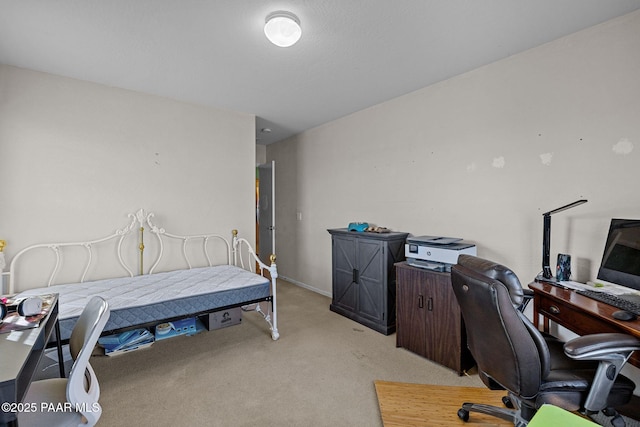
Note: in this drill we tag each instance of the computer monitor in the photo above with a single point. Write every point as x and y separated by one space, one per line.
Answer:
621 258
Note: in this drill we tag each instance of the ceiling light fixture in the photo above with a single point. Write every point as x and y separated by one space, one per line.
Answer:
282 28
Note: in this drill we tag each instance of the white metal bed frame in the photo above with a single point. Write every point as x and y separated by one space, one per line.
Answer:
138 220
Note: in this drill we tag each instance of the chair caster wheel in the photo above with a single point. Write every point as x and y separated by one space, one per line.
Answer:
506 401
463 414
618 421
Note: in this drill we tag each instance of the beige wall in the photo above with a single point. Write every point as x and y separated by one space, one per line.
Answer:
77 157
480 156
261 154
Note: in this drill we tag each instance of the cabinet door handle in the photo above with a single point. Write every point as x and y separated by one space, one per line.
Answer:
430 304
356 275
420 301
554 310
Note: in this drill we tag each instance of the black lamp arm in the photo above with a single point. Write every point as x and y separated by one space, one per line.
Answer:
546 236
546 246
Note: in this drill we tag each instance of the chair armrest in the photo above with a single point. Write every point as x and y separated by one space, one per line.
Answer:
599 346
526 298
612 350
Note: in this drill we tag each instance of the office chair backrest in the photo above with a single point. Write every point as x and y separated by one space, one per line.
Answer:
506 347
498 272
83 390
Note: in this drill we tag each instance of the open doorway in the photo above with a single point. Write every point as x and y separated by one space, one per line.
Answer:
266 210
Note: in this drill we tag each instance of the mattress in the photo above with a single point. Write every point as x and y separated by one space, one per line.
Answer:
155 297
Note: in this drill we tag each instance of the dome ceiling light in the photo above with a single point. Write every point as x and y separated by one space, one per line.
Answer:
282 28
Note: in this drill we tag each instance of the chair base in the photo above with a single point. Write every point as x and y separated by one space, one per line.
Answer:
513 415
616 419
519 414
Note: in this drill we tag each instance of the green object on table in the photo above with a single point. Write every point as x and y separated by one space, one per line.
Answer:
552 416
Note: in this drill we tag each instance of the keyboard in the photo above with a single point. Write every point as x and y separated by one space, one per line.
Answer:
613 300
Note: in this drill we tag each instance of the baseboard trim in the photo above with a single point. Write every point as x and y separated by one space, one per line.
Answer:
304 285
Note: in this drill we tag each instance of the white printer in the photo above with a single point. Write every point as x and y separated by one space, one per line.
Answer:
436 253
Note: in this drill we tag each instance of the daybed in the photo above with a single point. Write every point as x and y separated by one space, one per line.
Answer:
148 298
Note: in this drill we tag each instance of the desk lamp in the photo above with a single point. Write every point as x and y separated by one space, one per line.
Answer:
546 238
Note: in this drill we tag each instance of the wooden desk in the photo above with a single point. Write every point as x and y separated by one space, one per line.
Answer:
578 313
20 353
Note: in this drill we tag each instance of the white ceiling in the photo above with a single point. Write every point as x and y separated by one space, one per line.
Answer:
353 53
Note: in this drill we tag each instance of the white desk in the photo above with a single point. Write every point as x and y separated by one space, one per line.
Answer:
20 354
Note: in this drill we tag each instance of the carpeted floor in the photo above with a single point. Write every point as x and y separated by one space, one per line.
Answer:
321 372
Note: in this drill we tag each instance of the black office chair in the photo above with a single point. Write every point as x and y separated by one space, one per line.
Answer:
534 368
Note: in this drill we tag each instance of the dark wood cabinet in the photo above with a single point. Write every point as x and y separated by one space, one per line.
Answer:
429 322
363 277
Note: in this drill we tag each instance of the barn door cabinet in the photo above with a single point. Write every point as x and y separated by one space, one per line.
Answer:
364 278
429 319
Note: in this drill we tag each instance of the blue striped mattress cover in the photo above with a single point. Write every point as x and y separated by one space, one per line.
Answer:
155 297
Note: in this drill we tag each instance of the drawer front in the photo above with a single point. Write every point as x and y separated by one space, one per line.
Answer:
576 320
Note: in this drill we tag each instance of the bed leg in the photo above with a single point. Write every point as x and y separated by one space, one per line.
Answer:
267 317
274 324
272 317
273 270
